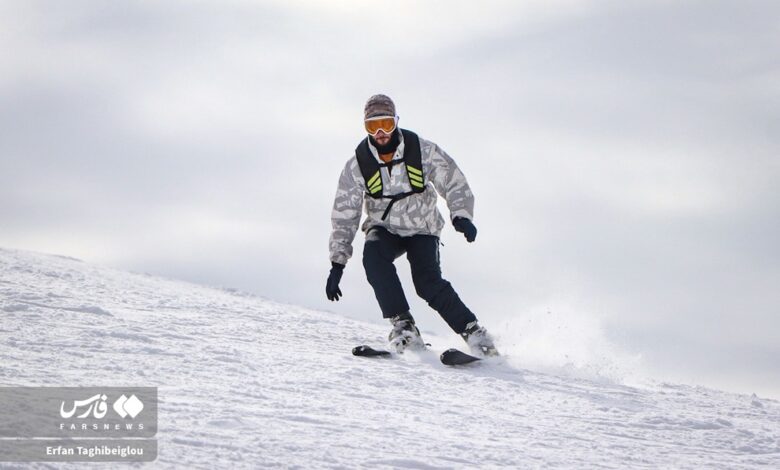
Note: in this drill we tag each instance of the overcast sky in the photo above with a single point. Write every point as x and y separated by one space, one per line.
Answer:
625 157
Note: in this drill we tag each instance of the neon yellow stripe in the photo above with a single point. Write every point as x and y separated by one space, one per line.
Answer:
415 183
414 170
415 178
373 179
375 188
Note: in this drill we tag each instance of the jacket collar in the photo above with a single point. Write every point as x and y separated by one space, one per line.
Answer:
399 152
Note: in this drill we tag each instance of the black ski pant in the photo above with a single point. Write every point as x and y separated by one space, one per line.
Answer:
382 248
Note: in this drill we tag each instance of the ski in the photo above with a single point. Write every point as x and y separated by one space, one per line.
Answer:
367 351
450 357
454 357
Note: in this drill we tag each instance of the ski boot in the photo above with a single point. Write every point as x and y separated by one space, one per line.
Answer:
479 340
404 334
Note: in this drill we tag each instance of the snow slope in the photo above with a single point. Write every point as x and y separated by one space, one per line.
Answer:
246 382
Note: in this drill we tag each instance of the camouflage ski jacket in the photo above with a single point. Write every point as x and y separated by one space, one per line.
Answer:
416 214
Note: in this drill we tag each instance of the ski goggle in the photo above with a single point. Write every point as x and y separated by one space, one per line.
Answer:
381 123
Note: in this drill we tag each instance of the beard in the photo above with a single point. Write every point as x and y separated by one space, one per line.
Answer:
390 146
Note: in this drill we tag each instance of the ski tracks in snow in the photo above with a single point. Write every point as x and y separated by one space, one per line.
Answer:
245 382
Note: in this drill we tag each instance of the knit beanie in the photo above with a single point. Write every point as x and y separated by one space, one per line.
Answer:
379 105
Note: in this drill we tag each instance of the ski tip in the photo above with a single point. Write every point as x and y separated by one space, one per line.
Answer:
456 357
368 351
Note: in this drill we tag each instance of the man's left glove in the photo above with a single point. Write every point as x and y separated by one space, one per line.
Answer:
464 226
332 287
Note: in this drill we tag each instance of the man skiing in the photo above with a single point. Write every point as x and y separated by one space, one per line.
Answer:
396 174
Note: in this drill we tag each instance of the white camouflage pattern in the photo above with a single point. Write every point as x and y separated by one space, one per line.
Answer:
416 214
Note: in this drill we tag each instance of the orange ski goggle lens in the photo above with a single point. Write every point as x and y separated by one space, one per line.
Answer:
386 124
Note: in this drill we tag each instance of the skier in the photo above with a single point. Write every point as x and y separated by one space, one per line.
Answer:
397 174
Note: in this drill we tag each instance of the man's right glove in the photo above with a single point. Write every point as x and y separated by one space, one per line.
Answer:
464 226
332 287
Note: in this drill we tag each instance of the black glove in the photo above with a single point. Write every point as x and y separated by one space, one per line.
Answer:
464 226
332 287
